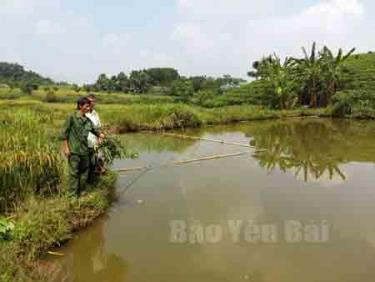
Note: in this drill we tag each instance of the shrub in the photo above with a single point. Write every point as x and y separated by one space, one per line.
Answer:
342 104
41 225
6 226
51 97
182 117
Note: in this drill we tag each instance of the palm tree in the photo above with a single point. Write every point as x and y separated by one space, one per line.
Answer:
254 73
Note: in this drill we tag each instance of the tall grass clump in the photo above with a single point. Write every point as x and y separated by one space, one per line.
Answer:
29 161
150 117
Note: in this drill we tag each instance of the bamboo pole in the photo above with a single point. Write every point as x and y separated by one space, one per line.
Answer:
193 160
214 157
182 162
132 168
55 254
206 139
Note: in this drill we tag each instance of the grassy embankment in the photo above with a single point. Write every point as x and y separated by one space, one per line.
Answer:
144 112
357 98
35 213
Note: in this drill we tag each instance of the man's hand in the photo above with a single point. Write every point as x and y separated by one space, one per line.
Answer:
101 137
67 152
66 149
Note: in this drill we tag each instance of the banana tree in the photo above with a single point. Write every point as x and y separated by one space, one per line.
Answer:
332 66
279 75
309 74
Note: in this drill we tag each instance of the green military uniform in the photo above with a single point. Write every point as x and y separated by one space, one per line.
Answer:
76 130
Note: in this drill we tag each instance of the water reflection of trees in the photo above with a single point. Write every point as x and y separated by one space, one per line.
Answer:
309 148
155 142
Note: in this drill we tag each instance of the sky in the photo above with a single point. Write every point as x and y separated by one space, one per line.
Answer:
76 40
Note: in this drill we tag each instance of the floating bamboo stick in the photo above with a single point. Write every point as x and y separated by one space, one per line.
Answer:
207 158
206 139
193 160
132 168
55 254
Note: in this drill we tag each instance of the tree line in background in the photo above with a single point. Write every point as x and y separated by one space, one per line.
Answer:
15 76
162 81
317 79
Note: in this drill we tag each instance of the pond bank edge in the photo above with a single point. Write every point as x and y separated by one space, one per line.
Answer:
43 224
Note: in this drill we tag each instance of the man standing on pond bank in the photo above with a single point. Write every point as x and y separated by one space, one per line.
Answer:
75 137
95 166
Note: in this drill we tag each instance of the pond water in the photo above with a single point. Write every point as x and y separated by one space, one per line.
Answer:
298 205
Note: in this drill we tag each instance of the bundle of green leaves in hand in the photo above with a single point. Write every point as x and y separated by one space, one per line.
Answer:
6 226
112 148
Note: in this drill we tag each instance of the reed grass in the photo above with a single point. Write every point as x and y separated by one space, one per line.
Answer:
29 161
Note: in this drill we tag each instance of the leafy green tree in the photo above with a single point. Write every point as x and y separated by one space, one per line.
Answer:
198 82
204 83
113 84
201 97
255 72
123 82
310 73
182 88
280 77
228 82
28 88
140 81
102 83
76 88
90 87
332 71
259 68
163 76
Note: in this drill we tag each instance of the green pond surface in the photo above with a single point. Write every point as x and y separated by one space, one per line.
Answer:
302 198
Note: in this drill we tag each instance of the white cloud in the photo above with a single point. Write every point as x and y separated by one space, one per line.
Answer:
159 59
115 39
329 22
151 58
12 56
332 15
110 39
209 36
116 43
143 53
208 9
192 33
243 30
27 7
334 7
185 4
226 36
48 27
